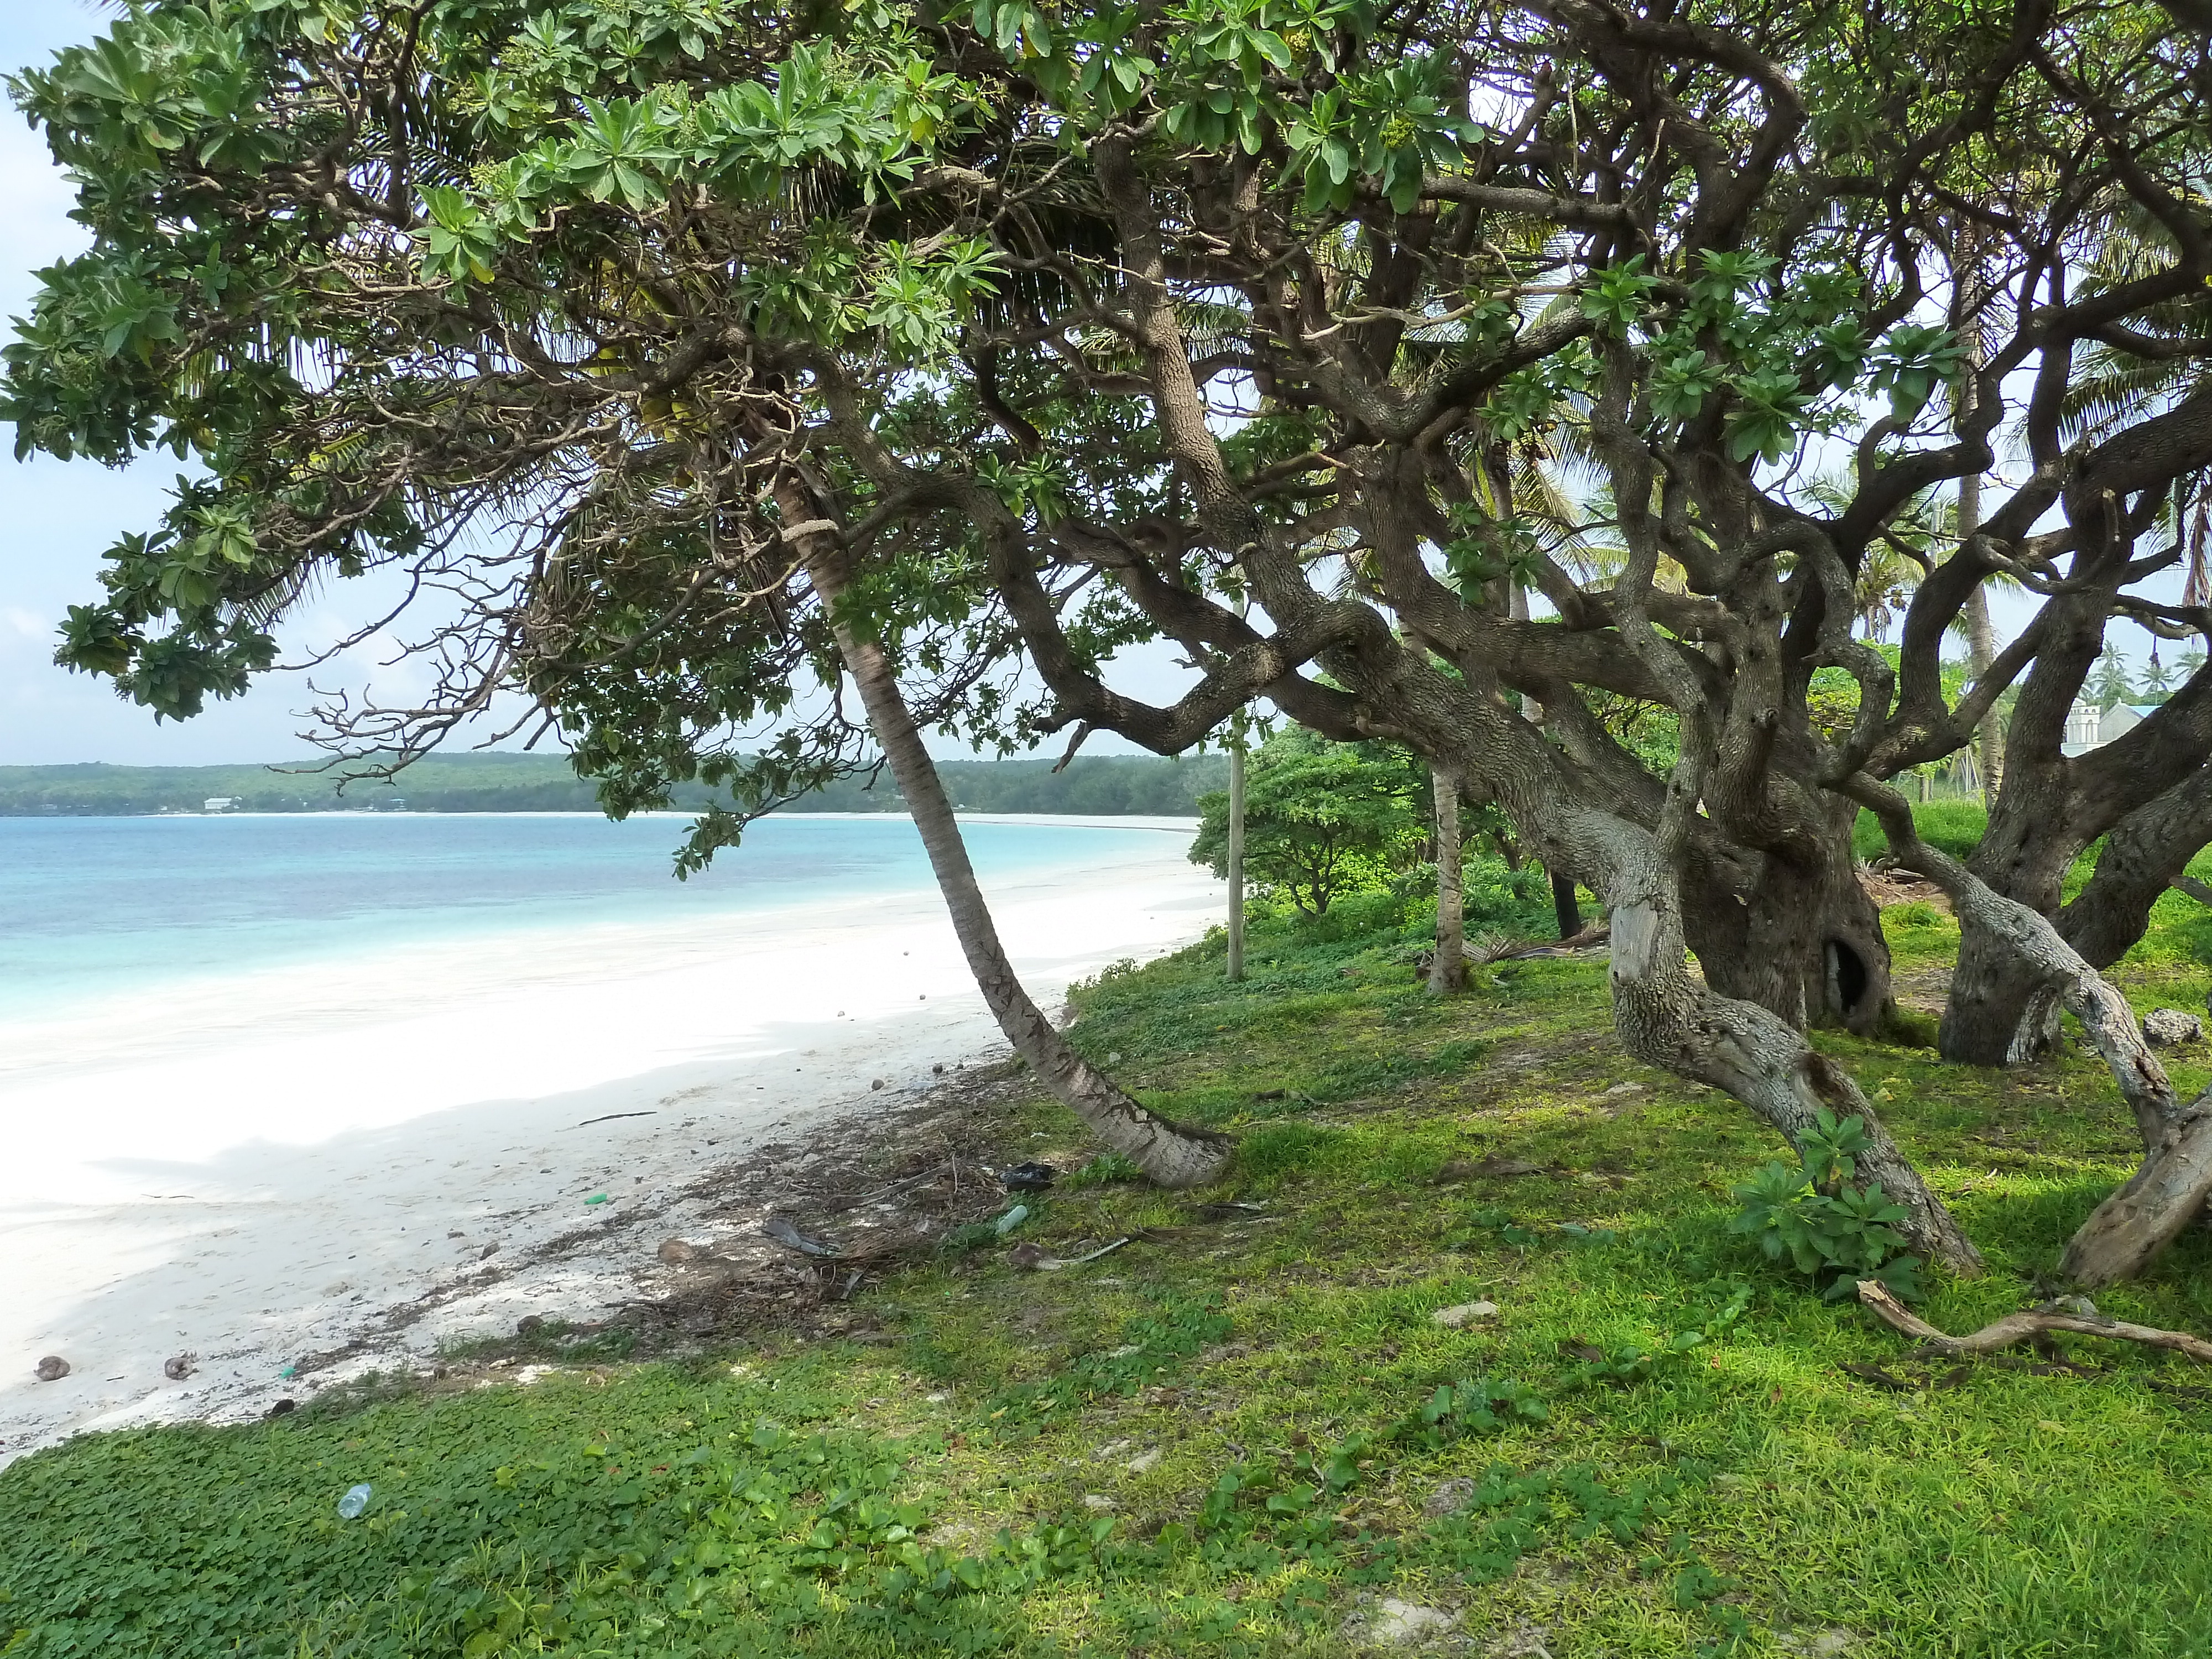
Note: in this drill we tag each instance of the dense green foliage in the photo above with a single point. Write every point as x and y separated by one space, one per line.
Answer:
1090 785
1658 1449
617 326
1807 1212
1321 819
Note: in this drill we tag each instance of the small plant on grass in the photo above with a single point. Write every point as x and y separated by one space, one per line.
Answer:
1483 1406
1103 1170
1810 1215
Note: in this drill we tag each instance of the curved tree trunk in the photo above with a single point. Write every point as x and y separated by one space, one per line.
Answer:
1448 972
1666 1016
1172 1154
2002 1010
1998 1011
2133 1226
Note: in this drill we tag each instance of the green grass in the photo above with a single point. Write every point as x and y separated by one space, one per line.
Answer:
989 1483
1950 826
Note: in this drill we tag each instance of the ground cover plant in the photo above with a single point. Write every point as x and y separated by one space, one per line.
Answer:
1247 1431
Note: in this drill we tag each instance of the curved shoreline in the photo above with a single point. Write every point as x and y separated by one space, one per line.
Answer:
297 1187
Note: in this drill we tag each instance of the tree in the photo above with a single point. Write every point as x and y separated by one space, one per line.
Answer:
2157 679
2111 686
1447 970
1172 1154
1321 819
1076 325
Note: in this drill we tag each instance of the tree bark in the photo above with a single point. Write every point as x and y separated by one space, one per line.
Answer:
1981 633
2000 1012
1169 1153
2133 1226
1448 971
1237 860
1805 942
1981 651
1566 915
1667 1018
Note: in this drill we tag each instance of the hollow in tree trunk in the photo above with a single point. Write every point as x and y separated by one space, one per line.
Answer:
1804 941
1448 971
1169 1153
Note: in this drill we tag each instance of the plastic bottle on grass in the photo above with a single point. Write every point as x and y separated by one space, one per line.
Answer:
355 1501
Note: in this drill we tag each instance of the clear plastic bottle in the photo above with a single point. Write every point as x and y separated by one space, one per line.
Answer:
355 1501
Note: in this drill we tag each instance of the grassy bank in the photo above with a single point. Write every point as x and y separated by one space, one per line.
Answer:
1245 1433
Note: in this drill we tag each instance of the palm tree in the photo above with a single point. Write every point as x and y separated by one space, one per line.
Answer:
2109 686
1448 971
2157 679
1968 287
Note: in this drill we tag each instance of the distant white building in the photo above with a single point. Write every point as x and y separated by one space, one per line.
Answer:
218 803
2091 728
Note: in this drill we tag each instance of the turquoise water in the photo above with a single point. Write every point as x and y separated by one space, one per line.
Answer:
92 908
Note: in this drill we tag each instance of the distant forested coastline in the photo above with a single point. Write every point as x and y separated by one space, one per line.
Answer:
1102 785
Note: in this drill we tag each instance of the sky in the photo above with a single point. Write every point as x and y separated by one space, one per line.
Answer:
57 519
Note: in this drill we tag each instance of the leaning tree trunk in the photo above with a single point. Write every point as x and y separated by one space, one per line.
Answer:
2003 1010
2134 1225
1169 1153
1667 1017
1448 972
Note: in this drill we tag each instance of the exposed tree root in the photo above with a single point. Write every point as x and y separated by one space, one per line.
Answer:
2023 1327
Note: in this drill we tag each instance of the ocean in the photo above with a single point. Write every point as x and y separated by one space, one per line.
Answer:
94 909
282 1086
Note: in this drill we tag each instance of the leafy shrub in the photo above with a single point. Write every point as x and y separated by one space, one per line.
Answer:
1321 819
1810 1215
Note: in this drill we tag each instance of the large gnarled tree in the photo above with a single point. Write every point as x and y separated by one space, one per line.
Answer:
1274 328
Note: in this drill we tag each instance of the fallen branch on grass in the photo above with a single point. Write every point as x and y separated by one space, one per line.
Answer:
2023 1327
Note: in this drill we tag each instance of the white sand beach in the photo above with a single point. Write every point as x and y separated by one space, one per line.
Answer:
253 1168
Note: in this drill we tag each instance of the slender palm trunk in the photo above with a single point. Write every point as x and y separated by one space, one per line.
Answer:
1169 1153
1237 860
1981 633
1566 912
1448 972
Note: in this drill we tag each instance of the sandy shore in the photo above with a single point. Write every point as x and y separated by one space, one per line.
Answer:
254 1169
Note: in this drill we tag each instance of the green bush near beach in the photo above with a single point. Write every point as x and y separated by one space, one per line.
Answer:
1247 1433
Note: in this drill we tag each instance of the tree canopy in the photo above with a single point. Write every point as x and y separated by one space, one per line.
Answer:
1306 334
1321 819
